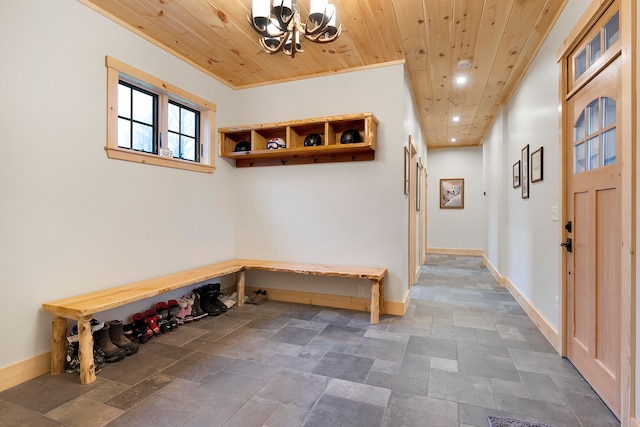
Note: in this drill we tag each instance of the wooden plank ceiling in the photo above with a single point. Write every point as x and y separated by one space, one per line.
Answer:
499 37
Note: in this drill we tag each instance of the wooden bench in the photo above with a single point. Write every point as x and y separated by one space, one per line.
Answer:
83 307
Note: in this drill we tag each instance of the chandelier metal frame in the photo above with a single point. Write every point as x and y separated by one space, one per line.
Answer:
281 30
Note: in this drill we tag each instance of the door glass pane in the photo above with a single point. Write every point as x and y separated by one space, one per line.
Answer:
578 129
581 63
593 125
593 148
595 50
608 112
609 147
611 32
578 158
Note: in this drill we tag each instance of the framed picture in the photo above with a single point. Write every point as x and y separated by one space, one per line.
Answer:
407 160
524 172
452 193
536 165
516 174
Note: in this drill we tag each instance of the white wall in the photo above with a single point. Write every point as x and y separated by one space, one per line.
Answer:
456 228
72 220
341 213
525 246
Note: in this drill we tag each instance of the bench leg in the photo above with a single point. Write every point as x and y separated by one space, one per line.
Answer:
58 345
85 352
375 302
240 287
381 283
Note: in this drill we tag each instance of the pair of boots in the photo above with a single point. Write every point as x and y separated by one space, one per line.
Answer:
73 356
208 299
113 342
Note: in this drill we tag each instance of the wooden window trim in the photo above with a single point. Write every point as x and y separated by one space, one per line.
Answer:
117 70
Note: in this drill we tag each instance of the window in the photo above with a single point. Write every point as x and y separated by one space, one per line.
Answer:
151 121
601 42
594 136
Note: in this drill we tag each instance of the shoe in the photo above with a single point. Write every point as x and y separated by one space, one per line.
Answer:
96 325
141 328
102 341
174 308
258 297
152 320
196 310
188 310
162 311
227 301
209 301
73 359
116 334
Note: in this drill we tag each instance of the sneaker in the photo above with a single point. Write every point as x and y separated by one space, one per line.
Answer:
96 325
227 301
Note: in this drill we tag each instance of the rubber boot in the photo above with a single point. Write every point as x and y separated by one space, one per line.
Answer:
102 340
117 336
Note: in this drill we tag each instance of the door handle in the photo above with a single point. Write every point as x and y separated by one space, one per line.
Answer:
568 244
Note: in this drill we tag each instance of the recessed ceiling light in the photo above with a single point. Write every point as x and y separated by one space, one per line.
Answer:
464 64
453 140
456 119
461 80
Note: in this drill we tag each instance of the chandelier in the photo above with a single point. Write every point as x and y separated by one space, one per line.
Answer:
281 26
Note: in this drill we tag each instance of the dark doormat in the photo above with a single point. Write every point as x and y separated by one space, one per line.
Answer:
512 422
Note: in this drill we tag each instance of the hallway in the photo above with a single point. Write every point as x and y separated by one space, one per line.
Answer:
464 350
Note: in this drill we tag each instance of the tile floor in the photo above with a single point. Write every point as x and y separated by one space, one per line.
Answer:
464 350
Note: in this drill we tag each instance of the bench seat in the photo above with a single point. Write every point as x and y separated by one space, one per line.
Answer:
83 307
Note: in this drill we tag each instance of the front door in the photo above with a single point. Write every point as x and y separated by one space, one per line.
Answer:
594 214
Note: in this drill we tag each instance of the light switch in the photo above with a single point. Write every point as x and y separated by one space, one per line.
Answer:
554 213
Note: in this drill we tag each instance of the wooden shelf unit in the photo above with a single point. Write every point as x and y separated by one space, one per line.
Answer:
294 133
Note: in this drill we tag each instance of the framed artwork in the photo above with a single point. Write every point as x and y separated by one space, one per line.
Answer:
516 174
536 165
418 173
452 193
407 160
524 172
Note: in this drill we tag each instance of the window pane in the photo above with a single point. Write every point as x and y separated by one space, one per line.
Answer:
593 125
174 118
611 32
608 112
581 63
595 51
188 148
578 129
578 162
142 107
142 137
124 101
609 147
124 133
188 123
594 148
174 144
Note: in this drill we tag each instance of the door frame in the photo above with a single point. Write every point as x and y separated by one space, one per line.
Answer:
628 125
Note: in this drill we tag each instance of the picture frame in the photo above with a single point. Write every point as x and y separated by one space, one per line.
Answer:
452 193
524 171
407 160
516 174
537 165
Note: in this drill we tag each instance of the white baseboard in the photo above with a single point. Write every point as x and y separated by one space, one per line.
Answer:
454 251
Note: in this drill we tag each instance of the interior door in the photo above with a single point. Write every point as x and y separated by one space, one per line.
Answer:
594 251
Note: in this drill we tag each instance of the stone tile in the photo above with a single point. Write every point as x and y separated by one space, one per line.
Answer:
105 390
428 346
141 391
387 366
345 334
377 348
540 387
165 350
509 387
302 312
487 366
292 335
179 337
295 388
467 347
453 332
291 362
411 410
591 411
251 369
197 367
363 393
307 324
414 365
444 364
544 363
344 366
470 389
253 413
535 409
333 411
236 335
268 323
398 383
74 413
217 395
477 321
14 415
135 368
